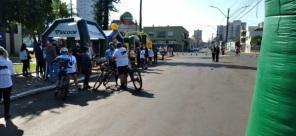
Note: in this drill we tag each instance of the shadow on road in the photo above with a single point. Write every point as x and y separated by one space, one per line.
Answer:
33 106
10 129
211 65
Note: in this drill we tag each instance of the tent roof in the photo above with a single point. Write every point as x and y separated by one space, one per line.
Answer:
72 27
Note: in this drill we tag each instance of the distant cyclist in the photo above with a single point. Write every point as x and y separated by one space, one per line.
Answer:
122 61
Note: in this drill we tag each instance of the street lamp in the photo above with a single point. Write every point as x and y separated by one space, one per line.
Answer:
227 23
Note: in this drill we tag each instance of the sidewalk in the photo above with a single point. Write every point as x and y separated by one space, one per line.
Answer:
26 86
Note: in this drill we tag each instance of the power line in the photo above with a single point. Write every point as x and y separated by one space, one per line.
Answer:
242 11
258 2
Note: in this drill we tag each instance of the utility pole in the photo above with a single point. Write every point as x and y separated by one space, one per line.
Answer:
227 25
140 16
71 8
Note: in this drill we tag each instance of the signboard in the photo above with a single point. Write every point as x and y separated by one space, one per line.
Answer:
2 39
94 32
65 30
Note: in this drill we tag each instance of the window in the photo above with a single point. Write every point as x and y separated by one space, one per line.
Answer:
161 34
151 34
170 33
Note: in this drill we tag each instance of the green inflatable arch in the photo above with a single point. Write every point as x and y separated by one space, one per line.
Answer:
273 111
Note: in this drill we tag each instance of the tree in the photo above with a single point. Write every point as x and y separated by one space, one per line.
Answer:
60 9
256 40
102 9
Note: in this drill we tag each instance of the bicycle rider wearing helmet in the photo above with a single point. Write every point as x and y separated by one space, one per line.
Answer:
63 61
109 54
122 61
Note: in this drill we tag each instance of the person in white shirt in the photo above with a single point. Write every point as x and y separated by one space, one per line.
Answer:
150 55
6 71
142 58
24 57
122 61
72 70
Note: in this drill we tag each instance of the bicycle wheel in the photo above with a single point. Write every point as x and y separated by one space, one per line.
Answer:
65 89
99 81
136 78
107 78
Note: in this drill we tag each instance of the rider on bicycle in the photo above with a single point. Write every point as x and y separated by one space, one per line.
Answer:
122 61
63 62
109 54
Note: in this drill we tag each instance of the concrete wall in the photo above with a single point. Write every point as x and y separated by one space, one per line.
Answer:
17 40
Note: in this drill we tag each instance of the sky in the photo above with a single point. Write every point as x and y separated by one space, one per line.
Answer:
192 14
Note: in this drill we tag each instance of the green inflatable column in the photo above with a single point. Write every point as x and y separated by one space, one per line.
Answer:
273 111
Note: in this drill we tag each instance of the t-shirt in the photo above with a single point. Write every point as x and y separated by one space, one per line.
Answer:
72 64
109 53
150 53
142 54
6 70
23 55
121 57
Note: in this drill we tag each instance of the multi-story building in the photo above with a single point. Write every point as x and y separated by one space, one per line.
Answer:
176 37
234 31
198 35
85 9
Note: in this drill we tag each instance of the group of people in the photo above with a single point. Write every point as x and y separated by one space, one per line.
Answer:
215 53
47 52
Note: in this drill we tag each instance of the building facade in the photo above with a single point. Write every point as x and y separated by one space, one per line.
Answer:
176 37
126 23
85 9
198 35
234 31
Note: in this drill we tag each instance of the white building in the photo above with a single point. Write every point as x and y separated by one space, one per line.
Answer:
85 9
234 31
198 35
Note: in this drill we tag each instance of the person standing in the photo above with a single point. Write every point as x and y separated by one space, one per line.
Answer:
217 52
142 58
72 68
25 58
50 55
213 53
85 67
6 71
40 62
150 55
121 57
155 50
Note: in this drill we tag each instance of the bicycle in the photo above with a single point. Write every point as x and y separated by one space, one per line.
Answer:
108 72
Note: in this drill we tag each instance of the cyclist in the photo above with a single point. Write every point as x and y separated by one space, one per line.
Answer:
109 55
63 62
122 61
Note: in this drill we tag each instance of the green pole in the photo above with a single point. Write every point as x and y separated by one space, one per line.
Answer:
273 110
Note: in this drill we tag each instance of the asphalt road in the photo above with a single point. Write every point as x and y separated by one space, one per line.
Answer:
183 96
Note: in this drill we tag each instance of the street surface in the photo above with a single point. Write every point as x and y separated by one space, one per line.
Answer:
183 96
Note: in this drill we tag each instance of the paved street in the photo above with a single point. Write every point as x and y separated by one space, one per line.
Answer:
184 96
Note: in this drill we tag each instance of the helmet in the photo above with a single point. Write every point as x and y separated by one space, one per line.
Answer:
118 45
63 50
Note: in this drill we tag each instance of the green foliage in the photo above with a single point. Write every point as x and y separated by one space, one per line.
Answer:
34 15
102 9
60 9
256 40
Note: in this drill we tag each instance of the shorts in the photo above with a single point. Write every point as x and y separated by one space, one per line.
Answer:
150 58
122 70
71 74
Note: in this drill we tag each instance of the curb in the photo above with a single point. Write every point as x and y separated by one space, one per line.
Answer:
41 89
